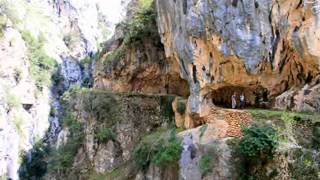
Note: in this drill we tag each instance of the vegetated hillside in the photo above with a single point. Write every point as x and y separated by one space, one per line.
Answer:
260 48
157 104
42 44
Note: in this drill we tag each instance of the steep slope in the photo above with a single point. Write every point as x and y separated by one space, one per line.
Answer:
261 48
151 103
42 44
134 59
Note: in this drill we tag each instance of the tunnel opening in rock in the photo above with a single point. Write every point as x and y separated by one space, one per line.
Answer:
255 97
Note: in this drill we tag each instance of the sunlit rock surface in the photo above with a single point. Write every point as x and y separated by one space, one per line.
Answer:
262 48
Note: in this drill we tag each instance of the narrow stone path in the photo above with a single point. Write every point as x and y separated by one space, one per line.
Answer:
228 121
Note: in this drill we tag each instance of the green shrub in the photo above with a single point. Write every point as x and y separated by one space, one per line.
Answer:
42 66
259 142
12 100
57 78
166 107
159 149
115 55
105 134
62 159
203 130
305 165
3 23
35 168
181 106
70 95
205 164
316 137
168 153
102 106
142 25
286 133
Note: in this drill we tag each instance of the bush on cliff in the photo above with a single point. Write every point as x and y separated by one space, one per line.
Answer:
105 134
42 66
316 136
142 25
259 142
62 159
160 148
206 164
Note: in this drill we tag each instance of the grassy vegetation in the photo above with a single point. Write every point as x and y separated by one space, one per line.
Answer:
62 158
118 173
264 114
12 100
205 164
102 106
104 135
161 148
3 23
203 130
42 66
116 55
306 166
142 25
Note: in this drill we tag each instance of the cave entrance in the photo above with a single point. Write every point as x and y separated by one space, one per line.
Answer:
255 97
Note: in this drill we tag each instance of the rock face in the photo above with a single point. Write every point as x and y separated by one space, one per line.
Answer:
128 116
140 65
212 49
262 48
22 108
65 31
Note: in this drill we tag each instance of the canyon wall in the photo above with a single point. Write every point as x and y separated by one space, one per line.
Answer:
42 44
266 49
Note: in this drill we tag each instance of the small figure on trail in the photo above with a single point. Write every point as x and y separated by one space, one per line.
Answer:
234 100
242 101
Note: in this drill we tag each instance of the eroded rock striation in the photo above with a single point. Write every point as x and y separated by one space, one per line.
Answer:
266 49
262 48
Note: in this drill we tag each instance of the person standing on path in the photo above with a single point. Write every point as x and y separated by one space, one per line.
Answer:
234 100
242 101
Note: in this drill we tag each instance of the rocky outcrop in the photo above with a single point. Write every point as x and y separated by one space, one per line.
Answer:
303 100
139 65
262 48
128 117
38 39
22 108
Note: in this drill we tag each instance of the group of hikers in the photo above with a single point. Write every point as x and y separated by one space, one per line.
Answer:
234 101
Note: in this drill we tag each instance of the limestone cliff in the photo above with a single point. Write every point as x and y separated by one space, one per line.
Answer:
266 49
262 48
42 44
102 129
156 94
134 59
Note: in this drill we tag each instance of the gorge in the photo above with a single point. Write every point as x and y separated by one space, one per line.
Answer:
141 89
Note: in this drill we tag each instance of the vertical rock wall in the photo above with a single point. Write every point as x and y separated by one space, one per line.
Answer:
260 47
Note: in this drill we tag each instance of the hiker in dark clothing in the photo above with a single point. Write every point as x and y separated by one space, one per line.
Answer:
242 101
